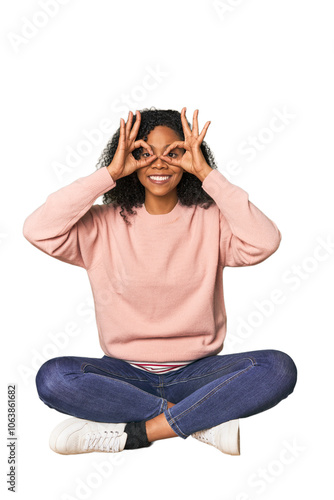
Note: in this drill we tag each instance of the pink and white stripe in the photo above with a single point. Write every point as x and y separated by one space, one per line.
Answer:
167 366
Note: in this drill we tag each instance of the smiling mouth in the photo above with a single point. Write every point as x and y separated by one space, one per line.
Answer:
159 179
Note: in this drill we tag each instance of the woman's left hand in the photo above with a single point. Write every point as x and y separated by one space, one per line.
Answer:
192 160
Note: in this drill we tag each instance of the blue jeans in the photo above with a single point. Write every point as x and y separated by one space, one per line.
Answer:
207 392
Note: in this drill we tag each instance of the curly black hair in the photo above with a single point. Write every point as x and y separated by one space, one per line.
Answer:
129 192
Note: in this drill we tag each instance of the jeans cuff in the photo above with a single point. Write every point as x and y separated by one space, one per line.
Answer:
173 424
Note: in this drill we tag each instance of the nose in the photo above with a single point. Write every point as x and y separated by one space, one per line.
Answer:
158 162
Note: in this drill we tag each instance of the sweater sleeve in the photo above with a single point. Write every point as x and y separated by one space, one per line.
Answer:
247 236
67 221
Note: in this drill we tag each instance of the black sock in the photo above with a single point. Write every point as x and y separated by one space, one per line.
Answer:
137 437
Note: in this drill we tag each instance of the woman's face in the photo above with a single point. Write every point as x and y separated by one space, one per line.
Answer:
159 138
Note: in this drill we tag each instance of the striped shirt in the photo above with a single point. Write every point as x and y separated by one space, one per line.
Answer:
166 366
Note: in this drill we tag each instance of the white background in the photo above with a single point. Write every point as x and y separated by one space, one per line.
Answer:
240 64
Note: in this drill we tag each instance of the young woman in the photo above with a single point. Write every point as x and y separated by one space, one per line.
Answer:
156 277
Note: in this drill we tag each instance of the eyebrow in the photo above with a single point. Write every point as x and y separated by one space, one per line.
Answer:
166 146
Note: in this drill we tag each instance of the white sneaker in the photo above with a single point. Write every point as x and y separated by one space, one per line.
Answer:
75 435
225 437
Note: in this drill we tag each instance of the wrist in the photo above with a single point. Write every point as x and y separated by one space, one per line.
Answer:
202 174
112 174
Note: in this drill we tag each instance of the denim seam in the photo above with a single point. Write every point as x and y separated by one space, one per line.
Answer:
212 392
83 366
172 423
162 389
210 373
161 409
125 382
163 406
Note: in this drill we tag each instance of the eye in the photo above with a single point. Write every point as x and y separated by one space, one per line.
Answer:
145 154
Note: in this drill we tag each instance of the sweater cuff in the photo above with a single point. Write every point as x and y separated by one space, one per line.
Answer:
100 181
215 181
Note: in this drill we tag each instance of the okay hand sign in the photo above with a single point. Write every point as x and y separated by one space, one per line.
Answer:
124 163
192 160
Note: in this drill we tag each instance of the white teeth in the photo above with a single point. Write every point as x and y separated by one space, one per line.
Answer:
156 178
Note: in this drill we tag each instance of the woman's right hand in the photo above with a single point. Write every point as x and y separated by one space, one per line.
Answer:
123 162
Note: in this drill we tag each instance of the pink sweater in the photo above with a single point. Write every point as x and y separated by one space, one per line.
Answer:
157 283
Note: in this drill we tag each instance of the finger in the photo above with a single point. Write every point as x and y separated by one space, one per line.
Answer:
129 123
135 128
142 143
175 144
144 162
121 140
204 131
146 146
172 161
195 123
185 125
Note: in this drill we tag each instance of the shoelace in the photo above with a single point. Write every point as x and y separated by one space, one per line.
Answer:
102 441
206 435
